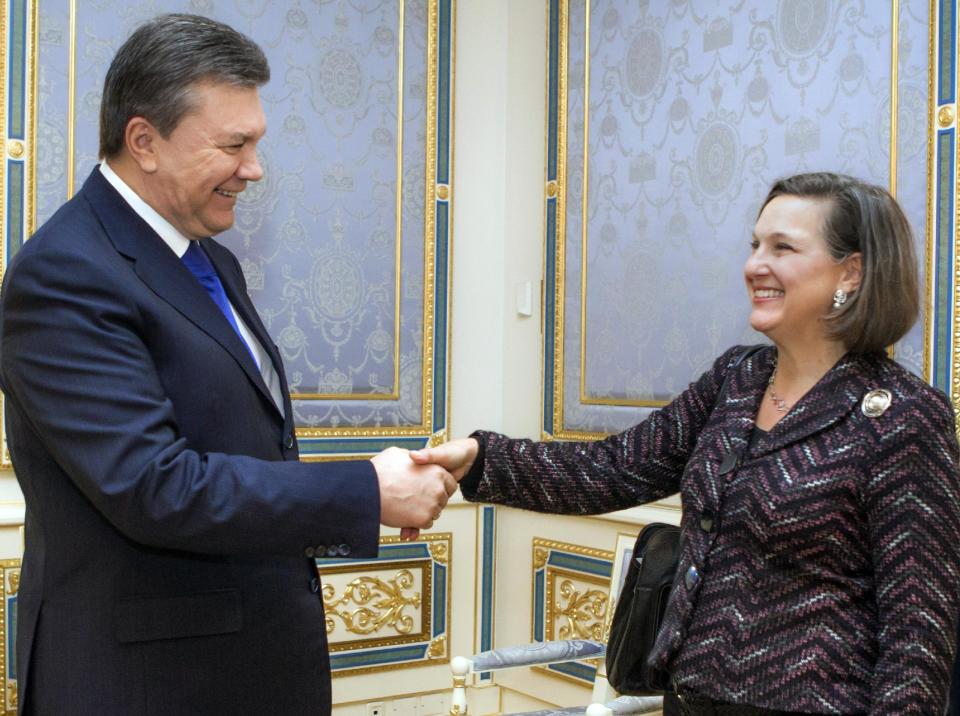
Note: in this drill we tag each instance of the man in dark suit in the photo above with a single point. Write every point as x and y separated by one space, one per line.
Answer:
170 527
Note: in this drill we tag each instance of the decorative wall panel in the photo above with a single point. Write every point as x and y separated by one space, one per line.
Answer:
345 241
392 611
667 123
570 588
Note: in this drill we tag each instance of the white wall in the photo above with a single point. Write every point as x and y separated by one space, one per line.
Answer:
499 125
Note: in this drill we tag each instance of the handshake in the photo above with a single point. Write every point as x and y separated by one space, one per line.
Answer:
415 485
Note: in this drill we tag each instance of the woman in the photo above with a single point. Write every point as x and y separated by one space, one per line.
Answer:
820 564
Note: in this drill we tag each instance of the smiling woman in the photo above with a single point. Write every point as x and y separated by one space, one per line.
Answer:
821 520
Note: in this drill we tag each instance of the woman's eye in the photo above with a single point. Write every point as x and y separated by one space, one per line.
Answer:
754 245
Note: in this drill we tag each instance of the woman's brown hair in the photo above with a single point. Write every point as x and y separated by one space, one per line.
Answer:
864 218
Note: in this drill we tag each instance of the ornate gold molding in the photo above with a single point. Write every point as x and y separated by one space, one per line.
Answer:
946 115
438 647
440 552
585 611
540 555
380 603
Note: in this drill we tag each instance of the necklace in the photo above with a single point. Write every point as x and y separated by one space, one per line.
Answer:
779 402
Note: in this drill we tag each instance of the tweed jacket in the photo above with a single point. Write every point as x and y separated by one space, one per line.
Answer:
820 564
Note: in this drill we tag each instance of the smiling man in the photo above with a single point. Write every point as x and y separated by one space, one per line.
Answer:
171 529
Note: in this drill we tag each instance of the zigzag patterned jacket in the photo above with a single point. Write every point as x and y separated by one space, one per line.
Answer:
821 573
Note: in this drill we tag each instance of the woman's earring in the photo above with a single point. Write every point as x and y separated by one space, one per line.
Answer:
839 298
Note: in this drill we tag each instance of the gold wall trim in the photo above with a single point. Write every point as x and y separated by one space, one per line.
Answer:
954 338
929 302
894 91
4 144
9 586
72 101
560 207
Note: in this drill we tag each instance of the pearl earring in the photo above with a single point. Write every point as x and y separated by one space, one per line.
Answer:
839 298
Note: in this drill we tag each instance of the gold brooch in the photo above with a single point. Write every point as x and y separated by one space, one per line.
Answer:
876 402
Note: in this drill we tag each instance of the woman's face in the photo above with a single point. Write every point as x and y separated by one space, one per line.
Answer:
790 275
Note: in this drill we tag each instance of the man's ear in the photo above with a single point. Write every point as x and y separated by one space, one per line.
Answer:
852 272
141 140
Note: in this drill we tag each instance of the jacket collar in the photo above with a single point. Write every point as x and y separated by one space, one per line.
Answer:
835 396
160 269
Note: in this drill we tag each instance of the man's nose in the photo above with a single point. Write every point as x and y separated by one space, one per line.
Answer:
250 168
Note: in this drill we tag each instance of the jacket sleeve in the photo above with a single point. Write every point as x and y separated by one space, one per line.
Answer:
912 501
641 464
83 386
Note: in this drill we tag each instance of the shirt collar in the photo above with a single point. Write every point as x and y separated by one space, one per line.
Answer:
177 242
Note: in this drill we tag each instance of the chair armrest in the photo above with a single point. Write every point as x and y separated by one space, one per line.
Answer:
627 706
538 652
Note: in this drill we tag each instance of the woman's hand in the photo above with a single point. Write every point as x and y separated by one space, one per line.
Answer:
456 456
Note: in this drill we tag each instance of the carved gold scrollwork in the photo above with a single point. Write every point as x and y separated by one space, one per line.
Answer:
439 552
381 604
13 583
584 612
12 693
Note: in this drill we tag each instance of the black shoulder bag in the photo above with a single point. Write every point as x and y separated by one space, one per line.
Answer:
643 600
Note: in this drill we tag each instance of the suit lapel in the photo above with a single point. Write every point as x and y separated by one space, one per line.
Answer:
160 269
223 262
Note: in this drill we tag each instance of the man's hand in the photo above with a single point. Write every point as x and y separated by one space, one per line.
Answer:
411 496
456 456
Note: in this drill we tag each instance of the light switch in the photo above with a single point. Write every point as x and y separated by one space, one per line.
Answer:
524 299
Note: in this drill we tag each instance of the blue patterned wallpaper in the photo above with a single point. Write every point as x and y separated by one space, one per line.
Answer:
693 111
333 257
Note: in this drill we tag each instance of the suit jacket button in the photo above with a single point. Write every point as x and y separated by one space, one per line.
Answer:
288 443
314 585
344 550
707 520
691 577
309 552
332 551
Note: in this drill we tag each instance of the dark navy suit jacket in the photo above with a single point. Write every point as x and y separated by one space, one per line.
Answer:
169 521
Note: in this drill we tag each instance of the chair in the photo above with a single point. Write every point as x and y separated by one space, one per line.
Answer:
603 697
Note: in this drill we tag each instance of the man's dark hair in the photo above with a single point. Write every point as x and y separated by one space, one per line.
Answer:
864 218
153 73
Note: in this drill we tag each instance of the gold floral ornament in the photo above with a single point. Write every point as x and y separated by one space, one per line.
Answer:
540 557
380 604
439 552
584 612
438 647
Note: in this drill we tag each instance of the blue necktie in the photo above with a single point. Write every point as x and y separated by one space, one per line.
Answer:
196 260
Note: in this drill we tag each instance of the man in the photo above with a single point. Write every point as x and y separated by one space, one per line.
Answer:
170 528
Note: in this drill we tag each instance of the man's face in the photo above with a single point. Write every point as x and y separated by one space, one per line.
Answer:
208 159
